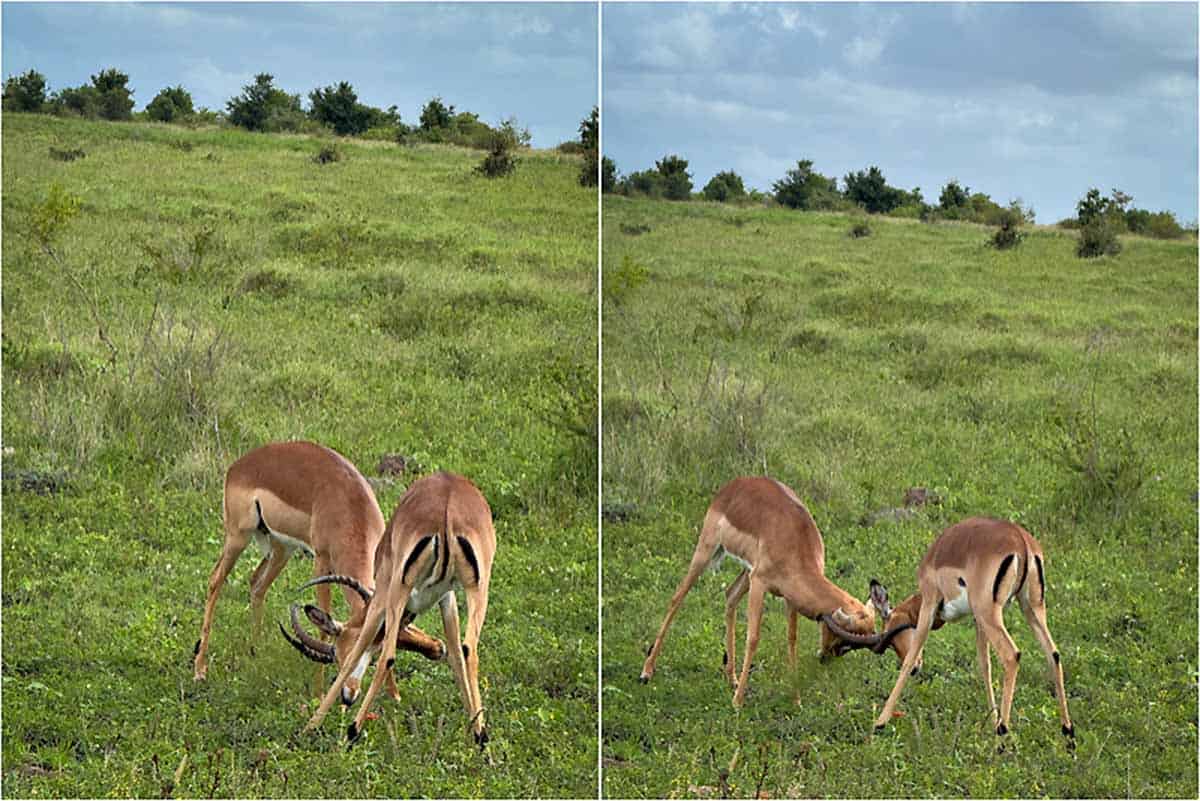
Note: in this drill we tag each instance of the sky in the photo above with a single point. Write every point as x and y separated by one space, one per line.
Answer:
1031 101
535 61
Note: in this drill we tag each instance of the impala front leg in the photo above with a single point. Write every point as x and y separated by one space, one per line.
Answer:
929 605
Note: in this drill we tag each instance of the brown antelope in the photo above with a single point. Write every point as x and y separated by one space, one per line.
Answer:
439 538
291 496
974 569
762 524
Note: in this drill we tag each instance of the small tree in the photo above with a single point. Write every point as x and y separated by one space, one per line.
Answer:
25 92
802 186
338 107
1008 234
114 99
262 106
499 161
1097 238
589 130
170 105
677 182
869 189
954 197
725 186
1091 207
436 115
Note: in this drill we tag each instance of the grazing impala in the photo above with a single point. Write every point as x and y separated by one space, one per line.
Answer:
291 496
764 526
440 538
974 568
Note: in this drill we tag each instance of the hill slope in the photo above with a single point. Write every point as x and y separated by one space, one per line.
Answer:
391 302
1025 384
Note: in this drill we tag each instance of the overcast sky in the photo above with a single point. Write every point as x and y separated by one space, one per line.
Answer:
532 60
1037 101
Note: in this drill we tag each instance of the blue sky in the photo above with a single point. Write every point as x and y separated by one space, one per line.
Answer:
532 60
1037 101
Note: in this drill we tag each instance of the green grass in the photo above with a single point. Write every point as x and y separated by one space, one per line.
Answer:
391 302
1025 384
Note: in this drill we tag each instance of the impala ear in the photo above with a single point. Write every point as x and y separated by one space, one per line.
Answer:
322 621
879 599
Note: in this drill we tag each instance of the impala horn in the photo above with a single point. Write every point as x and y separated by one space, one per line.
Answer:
308 645
346 581
878 643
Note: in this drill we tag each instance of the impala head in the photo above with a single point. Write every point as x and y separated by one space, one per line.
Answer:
903 621
845 630
343 635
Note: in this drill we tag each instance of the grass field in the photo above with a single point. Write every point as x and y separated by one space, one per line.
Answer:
1025 384
389 302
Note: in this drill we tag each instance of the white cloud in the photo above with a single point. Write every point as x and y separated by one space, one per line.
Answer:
863 51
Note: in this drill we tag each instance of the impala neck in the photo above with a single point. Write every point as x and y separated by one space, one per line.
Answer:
814 596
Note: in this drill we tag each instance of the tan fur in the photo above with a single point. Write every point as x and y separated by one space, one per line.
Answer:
762 523
974 551
315 497
446 507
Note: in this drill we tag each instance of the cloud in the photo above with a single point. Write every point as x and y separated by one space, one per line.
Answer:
863 51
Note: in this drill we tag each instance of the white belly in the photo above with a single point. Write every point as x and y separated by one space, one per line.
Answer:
290 544
424 597
954 608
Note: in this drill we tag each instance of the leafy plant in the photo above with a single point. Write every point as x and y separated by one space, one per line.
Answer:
171 104
499 161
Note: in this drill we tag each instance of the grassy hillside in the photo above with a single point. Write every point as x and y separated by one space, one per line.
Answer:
391 302
1025 384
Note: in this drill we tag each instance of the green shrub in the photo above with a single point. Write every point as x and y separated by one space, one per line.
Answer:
725 186
263 107
1163 225
676 181
869 189
1008 235
859 228
338 108
436 115
25 92
804 188
499 161
67 155
1097 238
620 283
170 105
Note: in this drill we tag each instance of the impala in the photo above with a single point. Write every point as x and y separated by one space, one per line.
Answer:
975 568
440 538
762 524
291 496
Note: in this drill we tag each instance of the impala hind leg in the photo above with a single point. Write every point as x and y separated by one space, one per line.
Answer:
275 563
985 670
991 621
454 648
706 549
1035 615
396 601
366 637
733 596
929 606
235 542
477 602
754 610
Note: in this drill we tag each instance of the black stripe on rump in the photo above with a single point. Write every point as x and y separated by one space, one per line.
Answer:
262 521
1000 576
469 553
412 557
446 560
1041 576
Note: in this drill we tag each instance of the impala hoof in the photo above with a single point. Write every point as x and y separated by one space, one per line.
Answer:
879 727
1069 731
347 697
644 678
1001 730
481 738
352 735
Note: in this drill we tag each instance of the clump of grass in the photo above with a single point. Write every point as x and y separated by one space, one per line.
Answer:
499 161
859 228
622 282
328 154
267 282
635 229
67 155
173 256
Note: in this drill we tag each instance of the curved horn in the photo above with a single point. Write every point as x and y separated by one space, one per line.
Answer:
343 580
885 639
859 640
308 645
